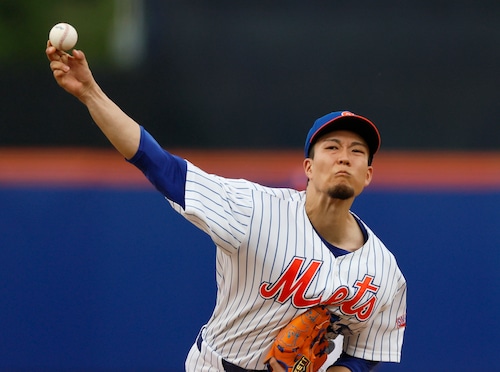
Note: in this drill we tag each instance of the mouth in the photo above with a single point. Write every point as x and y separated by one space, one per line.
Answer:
342 173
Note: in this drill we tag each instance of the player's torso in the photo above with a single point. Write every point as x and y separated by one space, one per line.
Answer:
284 267
272 265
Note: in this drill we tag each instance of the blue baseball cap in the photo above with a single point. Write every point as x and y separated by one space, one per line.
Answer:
344 120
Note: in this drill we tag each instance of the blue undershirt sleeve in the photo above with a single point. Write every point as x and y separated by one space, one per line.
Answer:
167 172
356 364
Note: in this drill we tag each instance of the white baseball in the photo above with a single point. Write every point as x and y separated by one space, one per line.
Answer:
63 36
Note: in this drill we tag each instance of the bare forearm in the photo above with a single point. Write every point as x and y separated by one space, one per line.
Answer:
121 130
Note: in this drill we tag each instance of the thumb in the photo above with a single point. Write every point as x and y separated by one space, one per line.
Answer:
79 55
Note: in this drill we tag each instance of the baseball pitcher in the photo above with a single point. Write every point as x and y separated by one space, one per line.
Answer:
296 269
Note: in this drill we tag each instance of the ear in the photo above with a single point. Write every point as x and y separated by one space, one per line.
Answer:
307 164
369 175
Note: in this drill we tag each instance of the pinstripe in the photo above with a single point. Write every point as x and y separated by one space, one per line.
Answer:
259 232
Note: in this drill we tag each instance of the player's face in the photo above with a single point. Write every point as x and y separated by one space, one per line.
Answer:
339 166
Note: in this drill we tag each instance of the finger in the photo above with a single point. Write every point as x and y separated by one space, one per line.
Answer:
276 366
53 53
79 55
59 66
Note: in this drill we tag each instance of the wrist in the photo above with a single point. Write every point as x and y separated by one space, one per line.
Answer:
91 94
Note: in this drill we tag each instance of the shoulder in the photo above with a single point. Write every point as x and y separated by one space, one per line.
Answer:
373 240
241 186
378 256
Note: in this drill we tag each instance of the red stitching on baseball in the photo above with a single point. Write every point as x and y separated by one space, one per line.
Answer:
63 37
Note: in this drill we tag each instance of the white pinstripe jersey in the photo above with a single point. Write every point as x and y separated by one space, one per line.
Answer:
272 265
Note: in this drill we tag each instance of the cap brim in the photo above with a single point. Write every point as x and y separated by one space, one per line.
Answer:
354 123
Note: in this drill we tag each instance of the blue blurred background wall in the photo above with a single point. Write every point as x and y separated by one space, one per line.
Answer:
114 280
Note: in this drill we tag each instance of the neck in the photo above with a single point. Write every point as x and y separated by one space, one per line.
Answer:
333 221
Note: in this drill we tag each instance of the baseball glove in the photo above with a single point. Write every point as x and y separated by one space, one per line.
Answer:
302 345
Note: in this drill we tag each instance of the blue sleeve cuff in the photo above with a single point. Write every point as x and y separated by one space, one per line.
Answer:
165 171
355 364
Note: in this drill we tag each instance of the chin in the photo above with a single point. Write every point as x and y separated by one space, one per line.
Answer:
342 192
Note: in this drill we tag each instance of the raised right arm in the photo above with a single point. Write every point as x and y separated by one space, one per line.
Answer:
73 74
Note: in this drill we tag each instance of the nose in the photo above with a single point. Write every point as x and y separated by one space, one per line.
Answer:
344 157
